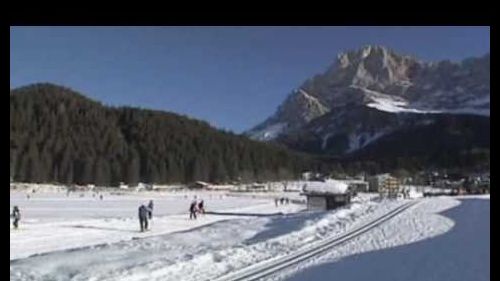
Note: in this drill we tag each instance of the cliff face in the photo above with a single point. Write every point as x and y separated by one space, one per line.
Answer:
370 93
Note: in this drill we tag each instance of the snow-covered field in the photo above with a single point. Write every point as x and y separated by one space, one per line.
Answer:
232 243
84 238
51 221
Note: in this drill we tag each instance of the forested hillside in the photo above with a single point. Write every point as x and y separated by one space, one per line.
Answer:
58 135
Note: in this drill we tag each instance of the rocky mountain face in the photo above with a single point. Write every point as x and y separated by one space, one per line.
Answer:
372 93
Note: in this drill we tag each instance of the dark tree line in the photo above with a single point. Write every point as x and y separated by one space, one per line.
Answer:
58 135
451 142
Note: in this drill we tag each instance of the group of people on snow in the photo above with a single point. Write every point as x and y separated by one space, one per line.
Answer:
145 213
196 207
282 200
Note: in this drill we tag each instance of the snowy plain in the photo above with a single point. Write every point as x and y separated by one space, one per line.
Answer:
88 243
51 221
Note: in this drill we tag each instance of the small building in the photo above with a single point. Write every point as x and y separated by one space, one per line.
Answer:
256 187
357 185
139 187
157 187
390 187
458 190
376 182
199 185
326 201
326 195
311 176
307 175
222 187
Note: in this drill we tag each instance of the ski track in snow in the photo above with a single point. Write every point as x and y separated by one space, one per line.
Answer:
419 223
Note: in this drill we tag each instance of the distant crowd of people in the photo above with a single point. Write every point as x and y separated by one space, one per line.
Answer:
281 201
146 212
94 194
196 207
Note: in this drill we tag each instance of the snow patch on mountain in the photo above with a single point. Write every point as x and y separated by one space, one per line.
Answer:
357 141
395 104
270 132
376 78
312 105
390 105
324 140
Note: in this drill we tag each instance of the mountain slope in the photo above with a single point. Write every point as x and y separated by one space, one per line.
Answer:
443 141
58 135
379 78
367 105
385 137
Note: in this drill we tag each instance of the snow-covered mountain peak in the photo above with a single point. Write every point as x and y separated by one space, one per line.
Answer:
371 66
378 78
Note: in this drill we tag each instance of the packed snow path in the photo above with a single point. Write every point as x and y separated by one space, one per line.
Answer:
461 254
270 267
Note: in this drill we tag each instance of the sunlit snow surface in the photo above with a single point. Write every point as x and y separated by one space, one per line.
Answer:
204 249
458 248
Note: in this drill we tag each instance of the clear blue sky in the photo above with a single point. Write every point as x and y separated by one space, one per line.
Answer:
232 77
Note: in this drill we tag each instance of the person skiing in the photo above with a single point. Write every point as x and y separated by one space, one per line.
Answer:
201 208
143 217
150 206
192 210
16 214
276 200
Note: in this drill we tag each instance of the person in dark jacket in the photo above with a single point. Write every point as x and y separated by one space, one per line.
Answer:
150 206
16 214
192 210
201 207
143 217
